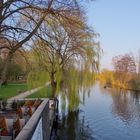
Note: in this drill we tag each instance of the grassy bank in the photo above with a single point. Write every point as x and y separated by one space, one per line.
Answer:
43 93
122 87
10 90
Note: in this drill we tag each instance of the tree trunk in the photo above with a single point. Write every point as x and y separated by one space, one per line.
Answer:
4 73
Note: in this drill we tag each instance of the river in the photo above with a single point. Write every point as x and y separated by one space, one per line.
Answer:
105 114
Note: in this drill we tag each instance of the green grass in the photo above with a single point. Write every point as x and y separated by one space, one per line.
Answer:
10 90
43 93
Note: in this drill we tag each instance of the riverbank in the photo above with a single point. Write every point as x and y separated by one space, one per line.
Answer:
121 87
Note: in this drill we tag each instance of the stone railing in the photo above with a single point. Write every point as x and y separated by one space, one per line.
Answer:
40 124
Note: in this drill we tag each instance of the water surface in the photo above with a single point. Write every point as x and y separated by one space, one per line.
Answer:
105 114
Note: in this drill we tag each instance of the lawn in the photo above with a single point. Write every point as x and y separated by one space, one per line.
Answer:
11 90
43 93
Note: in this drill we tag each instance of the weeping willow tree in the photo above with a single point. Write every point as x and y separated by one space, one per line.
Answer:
20 21
67 52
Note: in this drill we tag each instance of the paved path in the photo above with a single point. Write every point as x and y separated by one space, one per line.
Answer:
27 93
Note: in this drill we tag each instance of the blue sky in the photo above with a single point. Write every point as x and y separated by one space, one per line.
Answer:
118 22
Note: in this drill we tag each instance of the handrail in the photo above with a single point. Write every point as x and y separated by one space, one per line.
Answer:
29 129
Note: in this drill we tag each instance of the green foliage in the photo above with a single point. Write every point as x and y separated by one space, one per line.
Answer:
37 79
45 92
75 81
58 79
73 95
61 49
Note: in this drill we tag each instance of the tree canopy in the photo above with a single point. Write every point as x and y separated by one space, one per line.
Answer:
124 63
54 39
21 20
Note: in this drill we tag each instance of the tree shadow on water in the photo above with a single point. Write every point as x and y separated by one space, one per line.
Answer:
73 126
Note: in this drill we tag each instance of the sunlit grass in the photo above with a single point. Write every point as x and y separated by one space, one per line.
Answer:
10 90
43 93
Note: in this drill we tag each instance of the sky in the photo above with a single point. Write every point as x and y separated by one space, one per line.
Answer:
118 23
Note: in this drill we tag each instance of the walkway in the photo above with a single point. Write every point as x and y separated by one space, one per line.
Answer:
27 93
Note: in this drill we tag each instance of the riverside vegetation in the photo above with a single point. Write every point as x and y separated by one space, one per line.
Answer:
124 74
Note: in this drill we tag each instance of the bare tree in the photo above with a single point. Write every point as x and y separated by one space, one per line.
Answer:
20 20
124 66
124 63
62 44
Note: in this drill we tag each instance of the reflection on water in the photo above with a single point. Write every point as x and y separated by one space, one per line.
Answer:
106 114
74 127
125 105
